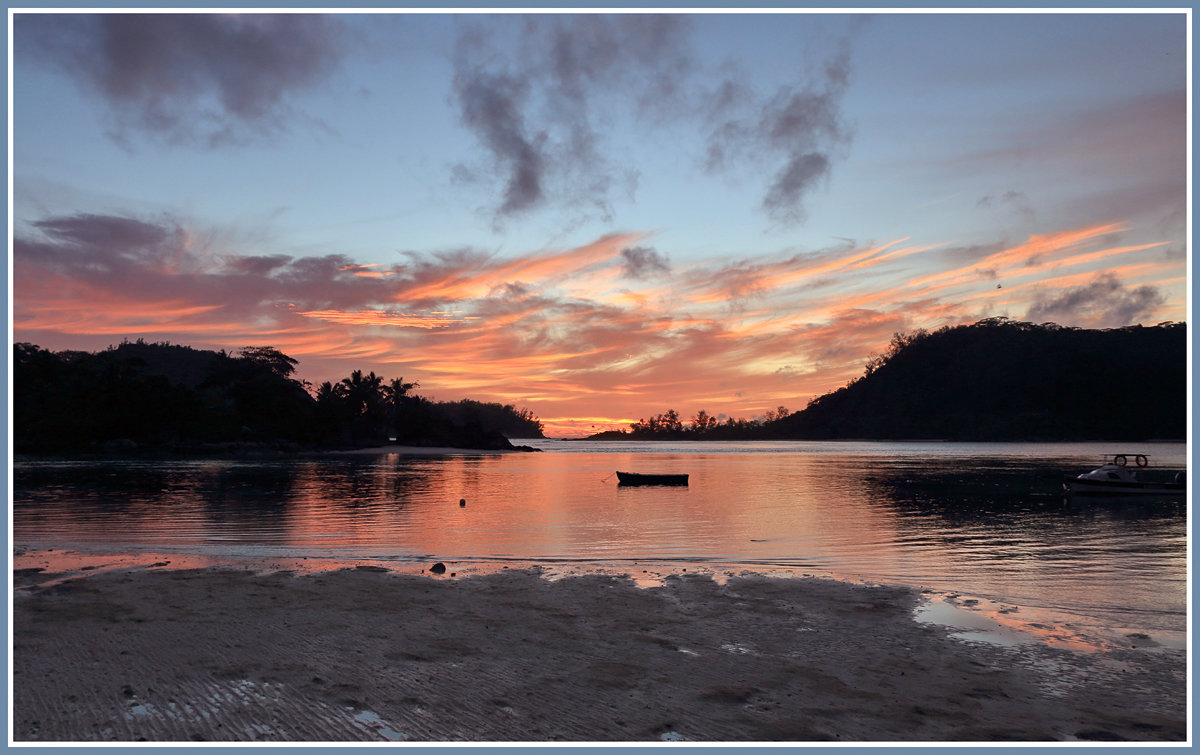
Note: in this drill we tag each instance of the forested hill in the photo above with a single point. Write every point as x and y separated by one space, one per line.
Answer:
1005 380
160 396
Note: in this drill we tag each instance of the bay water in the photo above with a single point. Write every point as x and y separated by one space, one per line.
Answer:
984 525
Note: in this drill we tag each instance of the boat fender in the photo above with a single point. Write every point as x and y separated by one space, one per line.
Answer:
1181 478
1141 460
1120 461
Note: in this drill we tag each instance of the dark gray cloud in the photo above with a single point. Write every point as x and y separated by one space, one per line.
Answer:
643 262
645 56
125 236
535 112
259 265
188 77
162 258
493 107
797 132
1104 303
543 116
799 175
102 246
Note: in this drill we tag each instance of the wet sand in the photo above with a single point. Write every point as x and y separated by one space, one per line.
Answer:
369 654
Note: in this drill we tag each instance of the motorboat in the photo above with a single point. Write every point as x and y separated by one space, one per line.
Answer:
635 478
1117 477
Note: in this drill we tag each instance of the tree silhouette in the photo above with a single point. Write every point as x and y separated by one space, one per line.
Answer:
171 397
271 358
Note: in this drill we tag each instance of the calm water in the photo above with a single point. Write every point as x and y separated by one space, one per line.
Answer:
985 520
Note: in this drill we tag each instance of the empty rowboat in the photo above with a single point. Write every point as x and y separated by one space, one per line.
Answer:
635 478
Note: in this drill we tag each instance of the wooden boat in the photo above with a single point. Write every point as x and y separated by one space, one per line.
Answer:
634 478
1116 478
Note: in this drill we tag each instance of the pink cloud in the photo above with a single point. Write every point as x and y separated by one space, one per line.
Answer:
563 331
386 319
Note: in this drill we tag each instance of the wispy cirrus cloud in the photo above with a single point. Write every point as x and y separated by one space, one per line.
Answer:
1014 201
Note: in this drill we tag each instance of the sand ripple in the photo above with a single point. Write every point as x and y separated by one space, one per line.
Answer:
360 655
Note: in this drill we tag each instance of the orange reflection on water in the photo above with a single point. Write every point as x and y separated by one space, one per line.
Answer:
887 513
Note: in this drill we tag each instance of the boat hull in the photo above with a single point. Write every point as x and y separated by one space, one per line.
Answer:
1077 486
634 478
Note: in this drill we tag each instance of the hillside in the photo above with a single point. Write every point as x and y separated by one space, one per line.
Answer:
1005 380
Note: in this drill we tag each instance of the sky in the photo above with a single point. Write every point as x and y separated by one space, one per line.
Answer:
594 217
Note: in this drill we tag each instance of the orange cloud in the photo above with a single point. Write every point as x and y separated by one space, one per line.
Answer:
565 332
391 319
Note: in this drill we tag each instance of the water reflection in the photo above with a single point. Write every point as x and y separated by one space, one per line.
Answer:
990 522
756 507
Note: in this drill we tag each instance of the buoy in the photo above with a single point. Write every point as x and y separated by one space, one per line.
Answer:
462 501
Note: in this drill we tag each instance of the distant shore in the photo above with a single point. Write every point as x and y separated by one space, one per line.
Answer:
619 436
263 450
428 451
161 653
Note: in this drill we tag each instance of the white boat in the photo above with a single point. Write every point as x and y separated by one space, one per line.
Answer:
1118 477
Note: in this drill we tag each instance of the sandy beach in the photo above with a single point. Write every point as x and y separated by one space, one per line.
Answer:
160 653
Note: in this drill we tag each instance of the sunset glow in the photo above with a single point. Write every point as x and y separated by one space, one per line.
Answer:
600 252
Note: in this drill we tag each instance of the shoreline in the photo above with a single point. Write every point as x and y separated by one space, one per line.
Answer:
404 450
171 652
264 451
